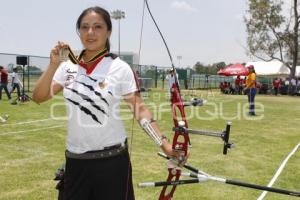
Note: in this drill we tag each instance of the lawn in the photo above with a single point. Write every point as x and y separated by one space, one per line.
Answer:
32 147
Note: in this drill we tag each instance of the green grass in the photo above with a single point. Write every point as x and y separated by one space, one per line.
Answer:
30 153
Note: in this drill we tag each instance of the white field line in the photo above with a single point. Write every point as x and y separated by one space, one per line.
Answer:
264 193
28 122
32 130
22 161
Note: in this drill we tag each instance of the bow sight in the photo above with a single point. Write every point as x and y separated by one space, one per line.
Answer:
224 135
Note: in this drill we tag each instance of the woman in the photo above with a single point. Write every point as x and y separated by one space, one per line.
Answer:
97 160
251 89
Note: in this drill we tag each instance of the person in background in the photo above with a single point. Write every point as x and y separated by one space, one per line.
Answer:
15 83
231 89
287 85
293 86
251 89
226 87
298 86
4 82
93 85
237 84
221 86
171 78
243 85
276 85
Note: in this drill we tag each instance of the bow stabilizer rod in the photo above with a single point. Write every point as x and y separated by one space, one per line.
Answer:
200 176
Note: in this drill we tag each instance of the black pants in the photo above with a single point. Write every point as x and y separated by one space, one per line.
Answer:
16 85
276 90
4 86
251 98
99 179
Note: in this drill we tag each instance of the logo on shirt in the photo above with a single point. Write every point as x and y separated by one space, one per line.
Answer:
102 85
71 72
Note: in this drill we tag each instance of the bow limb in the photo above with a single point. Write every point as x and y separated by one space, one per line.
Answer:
180 139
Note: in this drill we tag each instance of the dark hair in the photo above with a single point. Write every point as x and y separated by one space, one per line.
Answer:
1 67
100 11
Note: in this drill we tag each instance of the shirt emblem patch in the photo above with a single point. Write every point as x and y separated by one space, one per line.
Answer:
102 85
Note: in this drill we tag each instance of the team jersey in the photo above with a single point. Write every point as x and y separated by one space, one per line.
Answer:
250 78
93 102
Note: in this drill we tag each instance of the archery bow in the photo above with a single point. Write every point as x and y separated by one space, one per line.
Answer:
181 138
176 102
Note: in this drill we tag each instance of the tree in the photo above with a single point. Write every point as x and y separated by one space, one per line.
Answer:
199 67
219 65
271 34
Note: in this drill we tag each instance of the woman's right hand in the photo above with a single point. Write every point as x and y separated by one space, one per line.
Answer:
54 54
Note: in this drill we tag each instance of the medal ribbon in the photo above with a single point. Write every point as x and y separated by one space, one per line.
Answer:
90 65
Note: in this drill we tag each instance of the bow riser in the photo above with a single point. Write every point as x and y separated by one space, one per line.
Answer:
174 174
180 141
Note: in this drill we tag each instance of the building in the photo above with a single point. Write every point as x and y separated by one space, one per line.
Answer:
129 57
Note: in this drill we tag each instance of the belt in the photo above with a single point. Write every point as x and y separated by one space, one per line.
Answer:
105 153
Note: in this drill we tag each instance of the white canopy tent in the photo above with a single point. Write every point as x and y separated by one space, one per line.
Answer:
272 68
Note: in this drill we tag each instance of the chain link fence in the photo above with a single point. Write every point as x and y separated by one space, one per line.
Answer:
149 76
29 73
155 77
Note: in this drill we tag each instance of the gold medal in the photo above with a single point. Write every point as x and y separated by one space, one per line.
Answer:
64 54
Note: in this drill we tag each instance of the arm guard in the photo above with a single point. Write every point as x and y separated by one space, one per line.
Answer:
146 125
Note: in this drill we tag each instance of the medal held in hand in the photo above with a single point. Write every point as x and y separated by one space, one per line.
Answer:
64 54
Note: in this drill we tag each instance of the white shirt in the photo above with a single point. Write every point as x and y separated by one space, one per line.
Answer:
15 78
171 79
287 82
93 103
293 82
